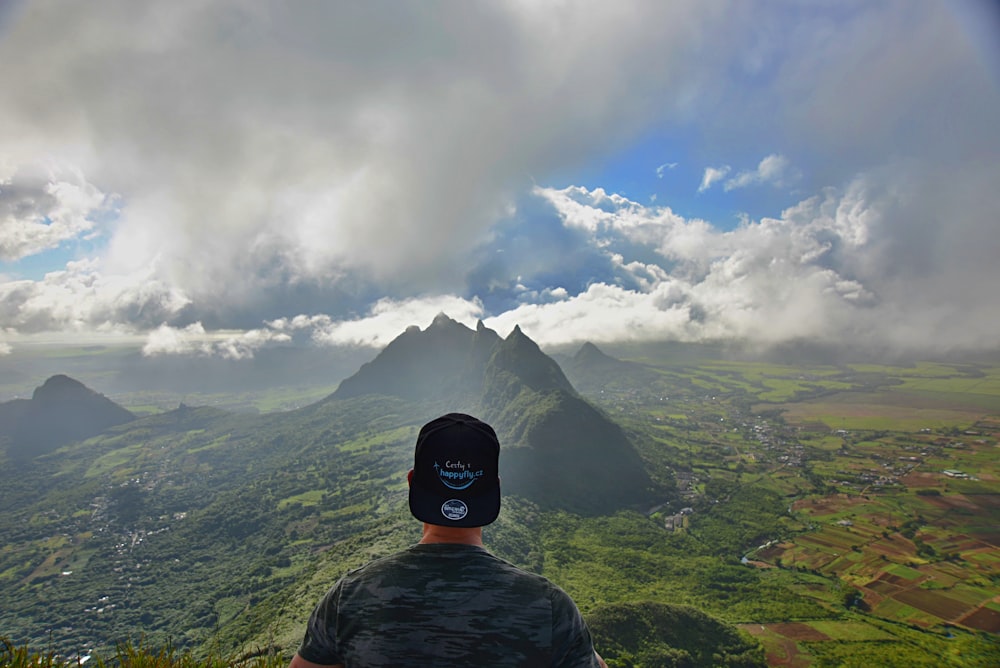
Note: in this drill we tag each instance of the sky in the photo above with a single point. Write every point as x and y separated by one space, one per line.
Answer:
217 177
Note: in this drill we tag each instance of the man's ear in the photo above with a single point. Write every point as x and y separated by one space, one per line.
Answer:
409 477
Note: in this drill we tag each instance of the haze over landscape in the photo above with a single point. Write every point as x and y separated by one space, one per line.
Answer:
217 179
702 510
721 274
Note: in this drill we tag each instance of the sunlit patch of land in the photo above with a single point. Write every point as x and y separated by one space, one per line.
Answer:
835 513
891 479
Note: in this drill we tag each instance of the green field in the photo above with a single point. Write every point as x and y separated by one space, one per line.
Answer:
817 514
860 452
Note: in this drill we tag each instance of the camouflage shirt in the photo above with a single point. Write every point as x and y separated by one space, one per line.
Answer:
446 605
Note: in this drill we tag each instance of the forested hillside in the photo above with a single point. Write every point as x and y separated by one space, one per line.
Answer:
748 537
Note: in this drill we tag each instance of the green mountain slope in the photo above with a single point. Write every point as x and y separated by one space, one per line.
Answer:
184 524
219 531
656 634
443 361
557 449
592 371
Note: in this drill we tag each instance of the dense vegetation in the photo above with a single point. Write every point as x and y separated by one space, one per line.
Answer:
213 533
655 634
137 656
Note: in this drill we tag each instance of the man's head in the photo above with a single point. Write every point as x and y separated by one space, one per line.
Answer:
455 479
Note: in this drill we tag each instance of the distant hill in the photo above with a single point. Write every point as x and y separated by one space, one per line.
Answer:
60 411
657 634
558 449
591 370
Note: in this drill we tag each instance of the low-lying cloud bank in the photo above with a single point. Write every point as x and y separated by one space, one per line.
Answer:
896 260
833 269
224 177
892 260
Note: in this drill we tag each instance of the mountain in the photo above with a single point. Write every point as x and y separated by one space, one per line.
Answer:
443 361
557 449
659 634
591 371
218 531
11 413
200 526
60 411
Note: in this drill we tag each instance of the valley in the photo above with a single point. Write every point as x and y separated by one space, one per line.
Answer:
822 511
891 476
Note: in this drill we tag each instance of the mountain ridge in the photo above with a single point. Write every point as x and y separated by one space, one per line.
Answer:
556 448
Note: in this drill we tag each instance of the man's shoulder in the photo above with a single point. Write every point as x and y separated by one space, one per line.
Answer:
520 574
463 562
464 600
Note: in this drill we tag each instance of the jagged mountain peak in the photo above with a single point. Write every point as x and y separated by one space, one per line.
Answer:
440 319
449 358
417 363
484 332
443 322
484 342
523 392
519 355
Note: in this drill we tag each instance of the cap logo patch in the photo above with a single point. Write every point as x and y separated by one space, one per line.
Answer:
455 479
454 509
457 475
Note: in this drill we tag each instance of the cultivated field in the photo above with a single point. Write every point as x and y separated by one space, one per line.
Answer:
892 476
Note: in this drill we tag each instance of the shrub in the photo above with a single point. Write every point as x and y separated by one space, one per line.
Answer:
138 656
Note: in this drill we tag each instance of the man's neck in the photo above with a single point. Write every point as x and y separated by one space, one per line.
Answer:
434 533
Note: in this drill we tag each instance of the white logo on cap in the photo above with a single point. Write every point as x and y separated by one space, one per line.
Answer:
454 509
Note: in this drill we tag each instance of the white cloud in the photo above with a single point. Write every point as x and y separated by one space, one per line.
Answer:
773 169
602 313
258 146
42 207
388 318
833 268
711 176
313 159
83 299
608 216
662 169
245 344
830 268
166 340
194 340
544 296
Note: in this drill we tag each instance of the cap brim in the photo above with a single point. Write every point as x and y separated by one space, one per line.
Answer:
449 511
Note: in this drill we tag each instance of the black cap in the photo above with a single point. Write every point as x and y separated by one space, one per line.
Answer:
456 477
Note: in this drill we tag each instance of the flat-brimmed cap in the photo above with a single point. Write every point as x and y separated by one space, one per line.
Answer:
456 477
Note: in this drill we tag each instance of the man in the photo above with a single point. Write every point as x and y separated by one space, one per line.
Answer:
447 602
